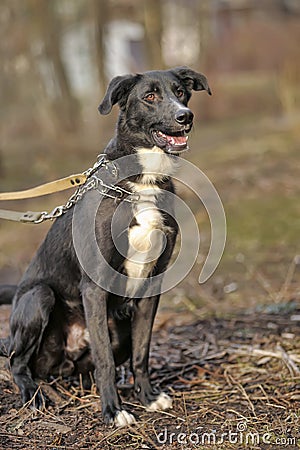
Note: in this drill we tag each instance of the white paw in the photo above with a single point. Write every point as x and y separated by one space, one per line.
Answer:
162 402
124 418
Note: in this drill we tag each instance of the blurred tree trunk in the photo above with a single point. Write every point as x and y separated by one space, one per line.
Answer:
100 12
153 22
65 106
204 30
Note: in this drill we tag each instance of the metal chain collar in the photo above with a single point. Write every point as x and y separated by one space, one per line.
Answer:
93 182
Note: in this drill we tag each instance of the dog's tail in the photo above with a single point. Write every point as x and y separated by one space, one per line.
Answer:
7 292
4 346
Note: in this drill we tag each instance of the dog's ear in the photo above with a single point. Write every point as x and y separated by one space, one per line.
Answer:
193 80
117 92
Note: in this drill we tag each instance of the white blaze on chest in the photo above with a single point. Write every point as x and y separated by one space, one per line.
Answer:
156 164
146 239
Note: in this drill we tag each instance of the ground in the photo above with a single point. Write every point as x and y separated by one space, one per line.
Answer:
228 352
232 380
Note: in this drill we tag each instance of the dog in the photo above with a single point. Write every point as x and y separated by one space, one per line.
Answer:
63 321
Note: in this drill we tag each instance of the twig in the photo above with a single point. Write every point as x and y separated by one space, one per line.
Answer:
287 282
293 368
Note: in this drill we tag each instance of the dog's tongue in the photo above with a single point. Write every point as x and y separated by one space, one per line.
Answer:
177 140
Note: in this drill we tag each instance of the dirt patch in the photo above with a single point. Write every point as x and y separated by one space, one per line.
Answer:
235 384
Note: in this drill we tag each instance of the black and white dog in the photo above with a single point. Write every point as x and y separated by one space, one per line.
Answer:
62 320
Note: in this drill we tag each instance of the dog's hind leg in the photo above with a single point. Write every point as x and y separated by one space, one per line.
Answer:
29 319
141 335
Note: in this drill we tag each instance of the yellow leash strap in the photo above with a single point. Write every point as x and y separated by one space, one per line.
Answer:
47 188
72 181
25 217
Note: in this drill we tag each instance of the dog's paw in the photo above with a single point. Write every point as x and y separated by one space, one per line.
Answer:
34 398
162 402
123 419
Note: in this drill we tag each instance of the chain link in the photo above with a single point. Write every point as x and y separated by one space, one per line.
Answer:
93 182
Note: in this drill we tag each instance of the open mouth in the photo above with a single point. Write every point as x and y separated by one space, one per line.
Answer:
171 144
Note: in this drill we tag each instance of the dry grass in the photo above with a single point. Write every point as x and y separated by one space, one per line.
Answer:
237 375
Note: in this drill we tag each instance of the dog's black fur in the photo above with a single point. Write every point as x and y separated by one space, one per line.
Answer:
56 296
7 291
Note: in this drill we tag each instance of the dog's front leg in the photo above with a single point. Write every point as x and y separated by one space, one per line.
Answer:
142 324
95 306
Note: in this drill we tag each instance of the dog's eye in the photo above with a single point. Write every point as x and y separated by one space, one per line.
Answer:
179 93
150 97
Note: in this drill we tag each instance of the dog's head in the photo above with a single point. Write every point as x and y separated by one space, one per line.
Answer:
153 106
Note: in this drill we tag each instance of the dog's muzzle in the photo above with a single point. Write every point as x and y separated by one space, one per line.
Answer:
175 141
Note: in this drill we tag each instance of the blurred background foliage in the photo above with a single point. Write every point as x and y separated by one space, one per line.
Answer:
57 57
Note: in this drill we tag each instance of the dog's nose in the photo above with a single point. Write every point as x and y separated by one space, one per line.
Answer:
184 116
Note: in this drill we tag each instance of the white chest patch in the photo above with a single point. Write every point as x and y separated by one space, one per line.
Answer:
156 164
147 239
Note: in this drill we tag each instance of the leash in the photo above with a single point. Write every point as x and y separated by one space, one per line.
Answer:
84 181
47 188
